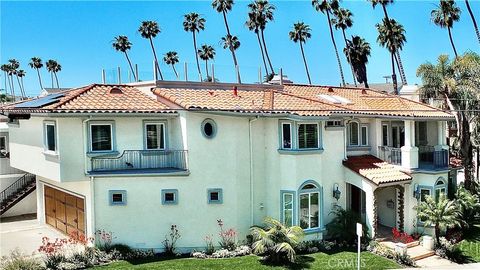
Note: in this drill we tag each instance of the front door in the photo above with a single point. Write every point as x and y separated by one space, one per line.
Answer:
357 201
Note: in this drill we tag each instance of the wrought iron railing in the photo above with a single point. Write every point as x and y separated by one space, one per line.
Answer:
391 155
16 186
141 159
429 156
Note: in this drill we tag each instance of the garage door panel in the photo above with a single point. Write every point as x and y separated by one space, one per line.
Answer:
49 192
71 200
61 226
59 195
80 204
60 211
51 221
71 215
64 211
81 220
50 207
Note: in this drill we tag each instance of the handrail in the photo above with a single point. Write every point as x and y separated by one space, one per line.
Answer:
15 186
390 154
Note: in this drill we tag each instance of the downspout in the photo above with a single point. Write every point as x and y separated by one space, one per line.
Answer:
251 166
86 143
92 205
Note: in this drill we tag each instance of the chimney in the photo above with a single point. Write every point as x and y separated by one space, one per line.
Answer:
235 91
330 89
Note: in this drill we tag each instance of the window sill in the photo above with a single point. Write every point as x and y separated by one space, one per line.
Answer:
300 151
359 148
335 128
102 153
314 230
51 154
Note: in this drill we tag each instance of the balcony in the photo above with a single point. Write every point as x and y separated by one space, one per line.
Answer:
391 155
141 162
431 159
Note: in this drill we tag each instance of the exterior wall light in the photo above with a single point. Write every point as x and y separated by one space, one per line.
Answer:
416 191
336 192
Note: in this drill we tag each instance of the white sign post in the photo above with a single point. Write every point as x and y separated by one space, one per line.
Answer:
359 234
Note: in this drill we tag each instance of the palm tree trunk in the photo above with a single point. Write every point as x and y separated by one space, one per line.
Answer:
39 79
131 66
451 41
437 233
56 79
12 85
51 75
22 92
349 60
261 50
226 22
305 62
266 52
385 13
473 20
175 71
206 68
394 75
23 87
196 56
156 61
231 47
335 47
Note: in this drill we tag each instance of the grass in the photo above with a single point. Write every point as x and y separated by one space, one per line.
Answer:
470 246
340 260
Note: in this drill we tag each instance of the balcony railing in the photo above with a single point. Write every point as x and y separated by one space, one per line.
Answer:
141 161
391 155
431 158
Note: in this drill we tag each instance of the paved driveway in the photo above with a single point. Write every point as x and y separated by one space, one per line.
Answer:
25 235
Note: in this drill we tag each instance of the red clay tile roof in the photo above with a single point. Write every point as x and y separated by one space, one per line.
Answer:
375 169
101 98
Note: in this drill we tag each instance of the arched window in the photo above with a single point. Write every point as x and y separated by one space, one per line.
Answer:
310 205
440 187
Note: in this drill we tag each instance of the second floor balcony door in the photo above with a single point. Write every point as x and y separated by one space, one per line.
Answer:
398 135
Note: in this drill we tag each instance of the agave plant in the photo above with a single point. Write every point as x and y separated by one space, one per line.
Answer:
276 240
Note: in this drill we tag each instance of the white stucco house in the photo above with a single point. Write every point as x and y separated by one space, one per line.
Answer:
135 159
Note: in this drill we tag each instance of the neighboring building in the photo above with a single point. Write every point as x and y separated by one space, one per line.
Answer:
135 159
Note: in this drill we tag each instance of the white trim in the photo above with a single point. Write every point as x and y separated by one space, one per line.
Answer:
164 127
366 135
47 151
297 135
291 137
90 138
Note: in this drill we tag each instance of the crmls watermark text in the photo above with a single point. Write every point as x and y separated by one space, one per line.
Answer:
345 263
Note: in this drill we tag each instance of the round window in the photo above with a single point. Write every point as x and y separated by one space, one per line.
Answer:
209 128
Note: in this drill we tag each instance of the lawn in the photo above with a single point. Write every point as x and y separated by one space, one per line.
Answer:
341 260
470 246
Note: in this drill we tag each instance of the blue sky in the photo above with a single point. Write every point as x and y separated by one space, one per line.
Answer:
79 34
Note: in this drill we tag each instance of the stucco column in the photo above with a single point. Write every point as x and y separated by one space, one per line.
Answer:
441 136
409 151
378 136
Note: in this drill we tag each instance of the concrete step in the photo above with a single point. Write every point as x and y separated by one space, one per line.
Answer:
419 252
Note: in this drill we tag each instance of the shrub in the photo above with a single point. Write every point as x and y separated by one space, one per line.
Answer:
276 240
121 248
469 205
384 251
227 237
170 242
104 239
343 226
16 260
449 250
402 237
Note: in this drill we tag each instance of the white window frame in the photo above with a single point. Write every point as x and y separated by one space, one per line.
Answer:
164 126
429 193
318 135
91 137
366 135
350 133
292 139
309 194
5 140
388 135
284 210
45 136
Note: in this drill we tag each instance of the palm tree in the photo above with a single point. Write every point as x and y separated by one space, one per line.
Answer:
276 240
233 44
327 7
20 74
261 12
253 25
224 6
441 214
171 58
6 69
358 51
194 23
150 29
397 57
37 64
53 67
13 66
343 20
469 205
122 44
301 33
473 20
206 52
444 16
393 38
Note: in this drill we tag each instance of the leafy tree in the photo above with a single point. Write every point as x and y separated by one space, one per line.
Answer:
445 15
327 7
206 52
149 30
301 33
456 83
276 240
122 44
441 214
357 52
194 23
171 58
36 63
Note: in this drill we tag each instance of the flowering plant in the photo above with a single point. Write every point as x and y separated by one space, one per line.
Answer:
170 241
209 242
227 237
104 239
401 236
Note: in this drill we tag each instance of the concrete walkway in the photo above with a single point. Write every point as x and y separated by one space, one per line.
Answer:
470 266
26 235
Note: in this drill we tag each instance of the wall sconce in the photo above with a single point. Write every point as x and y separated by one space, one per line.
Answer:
336 192
416 191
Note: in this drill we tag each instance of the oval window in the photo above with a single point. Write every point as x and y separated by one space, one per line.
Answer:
209 128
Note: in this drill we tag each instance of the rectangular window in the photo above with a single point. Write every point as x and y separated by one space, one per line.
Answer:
3 143
169 196
286 136
101 137
422 133
50 137
117 197
334 123
155 136
287 208
385 135
309 210
354 134
364 136
423 194
438 192
215 196
307 136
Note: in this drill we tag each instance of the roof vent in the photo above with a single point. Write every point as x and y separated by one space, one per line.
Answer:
235 91
116 90
364 91
330 89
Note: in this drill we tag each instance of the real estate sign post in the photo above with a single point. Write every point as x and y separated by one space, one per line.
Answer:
359 234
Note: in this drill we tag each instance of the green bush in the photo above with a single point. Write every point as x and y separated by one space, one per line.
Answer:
343 227
18 261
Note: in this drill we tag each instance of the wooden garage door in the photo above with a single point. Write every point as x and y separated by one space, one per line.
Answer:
64 211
